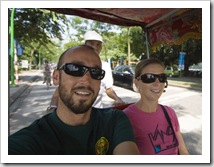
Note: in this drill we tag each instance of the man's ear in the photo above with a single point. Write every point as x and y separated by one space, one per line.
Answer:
56 77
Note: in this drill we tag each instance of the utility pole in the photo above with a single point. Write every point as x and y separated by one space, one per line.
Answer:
12 84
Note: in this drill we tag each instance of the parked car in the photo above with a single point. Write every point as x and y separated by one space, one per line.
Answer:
123 75
196 70
172 71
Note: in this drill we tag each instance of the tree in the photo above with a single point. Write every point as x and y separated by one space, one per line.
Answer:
76 27
193 49
170 54
115 42
138 42
35 28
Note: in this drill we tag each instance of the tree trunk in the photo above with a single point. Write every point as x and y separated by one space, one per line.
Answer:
31 55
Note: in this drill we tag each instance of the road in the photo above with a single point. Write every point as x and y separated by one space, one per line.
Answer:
187 104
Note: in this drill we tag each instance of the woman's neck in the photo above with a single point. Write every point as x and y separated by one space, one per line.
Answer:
146 106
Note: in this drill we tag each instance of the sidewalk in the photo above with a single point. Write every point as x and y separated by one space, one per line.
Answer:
186 82
25 79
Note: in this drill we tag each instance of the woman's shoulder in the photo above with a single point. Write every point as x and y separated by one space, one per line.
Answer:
169 110
130 108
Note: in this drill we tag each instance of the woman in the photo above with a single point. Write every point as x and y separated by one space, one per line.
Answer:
153 133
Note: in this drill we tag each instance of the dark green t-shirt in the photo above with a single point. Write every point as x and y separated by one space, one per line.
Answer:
49 135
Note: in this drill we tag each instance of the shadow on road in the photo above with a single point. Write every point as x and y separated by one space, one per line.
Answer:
193 142
30 106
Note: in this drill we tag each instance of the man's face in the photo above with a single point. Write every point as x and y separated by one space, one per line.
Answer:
79 93
97 45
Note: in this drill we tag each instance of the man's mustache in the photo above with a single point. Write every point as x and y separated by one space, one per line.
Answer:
84 88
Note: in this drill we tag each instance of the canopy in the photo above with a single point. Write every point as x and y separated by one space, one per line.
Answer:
165 26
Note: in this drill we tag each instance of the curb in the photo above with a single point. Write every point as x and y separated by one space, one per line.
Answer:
183 86
21 90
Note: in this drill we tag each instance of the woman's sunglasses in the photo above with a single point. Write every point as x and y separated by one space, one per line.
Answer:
78 70
150 78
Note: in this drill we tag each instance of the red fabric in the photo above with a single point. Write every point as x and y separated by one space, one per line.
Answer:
178 31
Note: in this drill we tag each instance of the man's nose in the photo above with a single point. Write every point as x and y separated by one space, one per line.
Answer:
87 75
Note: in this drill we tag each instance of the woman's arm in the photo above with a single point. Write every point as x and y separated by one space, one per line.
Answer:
126 148
182 147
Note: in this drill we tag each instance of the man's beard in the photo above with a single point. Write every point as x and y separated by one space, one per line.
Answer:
79 107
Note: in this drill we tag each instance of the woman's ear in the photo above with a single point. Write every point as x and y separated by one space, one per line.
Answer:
56 77
166 85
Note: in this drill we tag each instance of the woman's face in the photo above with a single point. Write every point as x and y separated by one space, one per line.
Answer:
151 91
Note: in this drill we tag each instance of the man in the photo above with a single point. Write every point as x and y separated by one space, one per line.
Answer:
94 40
46 68
75 127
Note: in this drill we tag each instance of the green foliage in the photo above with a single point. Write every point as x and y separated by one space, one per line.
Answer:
170 54
37 31
72 44
193 49
35 28
36 25
138 46
116 44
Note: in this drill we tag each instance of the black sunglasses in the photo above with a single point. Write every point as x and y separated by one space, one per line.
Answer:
150 78
78 70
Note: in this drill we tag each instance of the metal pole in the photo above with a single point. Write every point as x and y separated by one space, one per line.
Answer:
12 84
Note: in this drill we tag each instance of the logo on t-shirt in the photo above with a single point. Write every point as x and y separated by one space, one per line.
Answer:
163 140
102 146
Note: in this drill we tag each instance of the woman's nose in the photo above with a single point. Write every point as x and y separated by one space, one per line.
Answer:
157 80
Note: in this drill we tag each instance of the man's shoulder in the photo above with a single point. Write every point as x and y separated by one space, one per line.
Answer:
36 127
108 112
33 139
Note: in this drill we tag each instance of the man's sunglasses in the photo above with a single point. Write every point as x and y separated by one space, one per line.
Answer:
78 70
150 78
